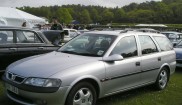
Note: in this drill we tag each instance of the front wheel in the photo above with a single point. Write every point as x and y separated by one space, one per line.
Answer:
162 79
82 93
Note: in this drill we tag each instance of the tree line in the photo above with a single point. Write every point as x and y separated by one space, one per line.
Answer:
165 11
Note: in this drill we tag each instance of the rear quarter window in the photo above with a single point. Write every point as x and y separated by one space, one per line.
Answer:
6 36
164 43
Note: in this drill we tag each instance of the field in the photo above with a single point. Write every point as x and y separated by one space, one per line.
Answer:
172 95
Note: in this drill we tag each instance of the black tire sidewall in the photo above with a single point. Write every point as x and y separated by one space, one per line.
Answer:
78 86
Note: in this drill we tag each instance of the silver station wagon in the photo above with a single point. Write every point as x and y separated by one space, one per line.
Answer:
91 66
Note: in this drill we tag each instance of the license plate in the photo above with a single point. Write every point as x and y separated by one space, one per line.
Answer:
12 88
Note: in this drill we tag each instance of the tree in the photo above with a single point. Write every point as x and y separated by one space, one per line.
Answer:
177 12
141 16
95 15
107 16
84 17
119 15
171 1
163 13
131 7
63 15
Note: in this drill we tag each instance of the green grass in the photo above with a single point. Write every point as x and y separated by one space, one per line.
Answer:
172 95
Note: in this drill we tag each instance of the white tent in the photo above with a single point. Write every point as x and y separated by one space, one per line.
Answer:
14 17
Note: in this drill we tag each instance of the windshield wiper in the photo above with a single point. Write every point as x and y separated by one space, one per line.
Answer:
88 54
84 54
69 52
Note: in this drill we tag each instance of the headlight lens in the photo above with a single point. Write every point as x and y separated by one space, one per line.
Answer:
42 82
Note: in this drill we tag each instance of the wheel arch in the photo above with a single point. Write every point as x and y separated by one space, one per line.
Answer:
168 68
90 79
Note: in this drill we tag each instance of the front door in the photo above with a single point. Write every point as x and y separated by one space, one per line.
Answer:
125 74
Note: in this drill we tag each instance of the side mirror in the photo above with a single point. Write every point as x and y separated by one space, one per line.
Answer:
112 58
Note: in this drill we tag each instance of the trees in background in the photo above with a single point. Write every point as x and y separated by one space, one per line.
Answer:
63 15
166 11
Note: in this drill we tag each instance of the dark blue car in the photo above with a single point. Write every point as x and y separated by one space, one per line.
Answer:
178 50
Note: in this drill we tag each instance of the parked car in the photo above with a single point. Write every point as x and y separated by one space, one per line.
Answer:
70 33
178 50
83 31
91 66
174 37
17 43
56 37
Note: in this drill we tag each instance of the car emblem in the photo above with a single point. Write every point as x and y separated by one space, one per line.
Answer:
13 77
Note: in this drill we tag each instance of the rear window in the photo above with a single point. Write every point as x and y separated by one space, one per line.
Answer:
164 43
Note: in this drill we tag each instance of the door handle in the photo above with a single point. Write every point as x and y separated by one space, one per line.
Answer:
137 63
14 49
41 48
159 58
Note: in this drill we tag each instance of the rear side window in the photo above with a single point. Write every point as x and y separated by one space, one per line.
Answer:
164 43
27 37
147 45
6 37
126 47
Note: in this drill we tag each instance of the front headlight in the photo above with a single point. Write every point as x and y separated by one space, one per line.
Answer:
42 82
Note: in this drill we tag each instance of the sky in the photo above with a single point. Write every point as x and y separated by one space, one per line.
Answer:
37 3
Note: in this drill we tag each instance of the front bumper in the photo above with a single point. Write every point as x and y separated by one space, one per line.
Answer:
31 97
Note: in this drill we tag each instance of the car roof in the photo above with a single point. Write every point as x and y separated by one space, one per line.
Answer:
173 32
104 32
14 27
124 32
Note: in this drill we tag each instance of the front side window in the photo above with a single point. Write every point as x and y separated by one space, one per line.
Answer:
89 45
126 47
27 37
6 37
147 45
164 43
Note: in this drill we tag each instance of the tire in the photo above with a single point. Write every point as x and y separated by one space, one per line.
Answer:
82 93
162 79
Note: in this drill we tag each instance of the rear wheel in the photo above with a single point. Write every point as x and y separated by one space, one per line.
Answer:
82 93
162 79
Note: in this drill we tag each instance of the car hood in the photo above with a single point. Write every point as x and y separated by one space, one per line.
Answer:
178 53
48 64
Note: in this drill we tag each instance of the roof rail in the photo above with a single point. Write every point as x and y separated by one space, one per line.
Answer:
150 30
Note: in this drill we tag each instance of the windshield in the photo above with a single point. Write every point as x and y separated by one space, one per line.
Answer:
88 45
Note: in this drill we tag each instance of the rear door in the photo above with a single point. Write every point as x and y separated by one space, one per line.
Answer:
8 49
151 59
29 43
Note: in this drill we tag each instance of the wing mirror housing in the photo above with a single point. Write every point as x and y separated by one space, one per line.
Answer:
112 58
